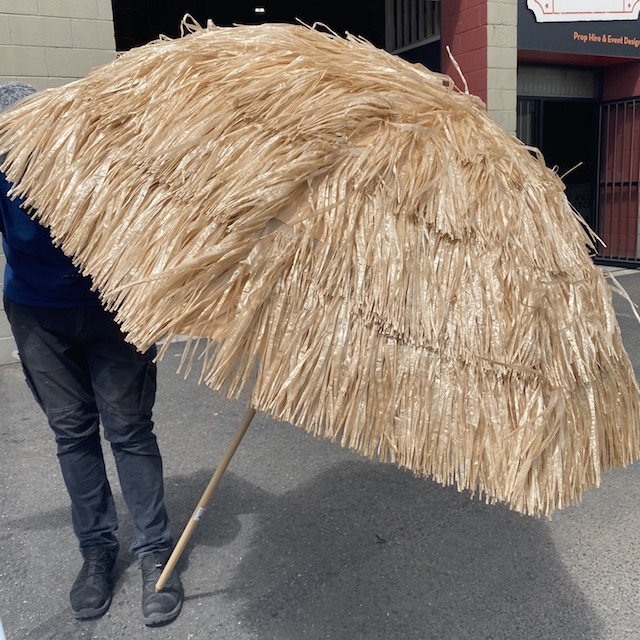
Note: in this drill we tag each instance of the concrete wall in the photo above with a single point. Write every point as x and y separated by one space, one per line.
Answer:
48 43
7 345
502 59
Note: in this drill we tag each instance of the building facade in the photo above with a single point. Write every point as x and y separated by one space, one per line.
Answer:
564 76
48 43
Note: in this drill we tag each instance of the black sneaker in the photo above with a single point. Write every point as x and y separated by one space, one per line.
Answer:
162 607
91 592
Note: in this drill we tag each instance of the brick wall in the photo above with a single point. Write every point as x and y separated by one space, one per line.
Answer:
464 30
622 81
482 37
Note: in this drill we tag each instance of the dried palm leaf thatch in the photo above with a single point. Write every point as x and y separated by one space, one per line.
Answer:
410 279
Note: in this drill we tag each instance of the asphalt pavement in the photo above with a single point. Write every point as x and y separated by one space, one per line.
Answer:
306 540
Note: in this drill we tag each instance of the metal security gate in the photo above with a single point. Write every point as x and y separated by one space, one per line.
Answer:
411 23
618 192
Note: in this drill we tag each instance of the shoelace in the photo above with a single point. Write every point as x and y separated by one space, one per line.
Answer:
96 567
153 572
151 575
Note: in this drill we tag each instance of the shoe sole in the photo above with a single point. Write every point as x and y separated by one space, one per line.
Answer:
156 619
84 614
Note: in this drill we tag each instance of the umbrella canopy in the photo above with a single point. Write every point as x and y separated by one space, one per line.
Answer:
409 278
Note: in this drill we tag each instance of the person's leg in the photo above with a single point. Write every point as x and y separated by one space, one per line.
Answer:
124 383
57 373
58 376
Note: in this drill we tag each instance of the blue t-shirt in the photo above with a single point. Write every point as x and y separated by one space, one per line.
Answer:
37 272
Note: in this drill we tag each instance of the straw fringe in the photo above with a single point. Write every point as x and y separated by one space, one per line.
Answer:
410 279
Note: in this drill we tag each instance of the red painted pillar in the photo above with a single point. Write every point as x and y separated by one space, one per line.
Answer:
464 29
622 81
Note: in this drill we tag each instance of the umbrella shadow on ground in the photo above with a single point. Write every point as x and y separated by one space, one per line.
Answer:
367 551
362 550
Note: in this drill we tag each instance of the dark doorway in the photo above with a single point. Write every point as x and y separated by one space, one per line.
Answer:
566 131
570 143
140 21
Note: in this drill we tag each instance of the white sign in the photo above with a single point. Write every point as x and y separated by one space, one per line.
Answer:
581 10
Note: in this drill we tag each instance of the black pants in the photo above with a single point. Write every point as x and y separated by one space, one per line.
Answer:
82 372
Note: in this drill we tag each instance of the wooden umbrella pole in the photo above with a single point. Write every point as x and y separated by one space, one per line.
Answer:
205 499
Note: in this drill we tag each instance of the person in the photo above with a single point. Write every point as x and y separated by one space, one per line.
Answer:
82 372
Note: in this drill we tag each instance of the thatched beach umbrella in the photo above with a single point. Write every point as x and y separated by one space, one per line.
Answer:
410 279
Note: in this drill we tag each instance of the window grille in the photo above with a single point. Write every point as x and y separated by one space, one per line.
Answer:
411 23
